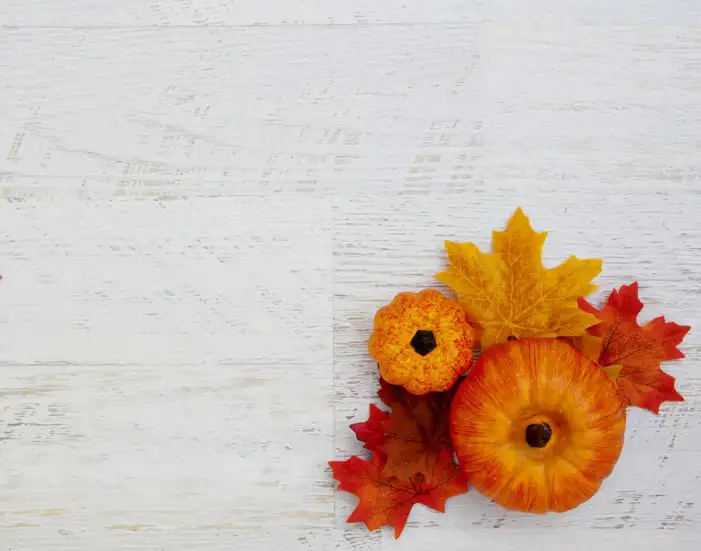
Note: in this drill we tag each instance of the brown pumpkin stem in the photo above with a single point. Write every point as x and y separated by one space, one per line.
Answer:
538 435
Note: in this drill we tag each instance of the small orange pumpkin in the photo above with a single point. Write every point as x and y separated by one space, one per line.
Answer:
537 426
422 342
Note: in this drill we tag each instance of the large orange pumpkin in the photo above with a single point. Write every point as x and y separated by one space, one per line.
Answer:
536 425
421 341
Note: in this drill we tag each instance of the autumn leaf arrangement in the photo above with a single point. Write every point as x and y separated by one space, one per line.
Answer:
536 423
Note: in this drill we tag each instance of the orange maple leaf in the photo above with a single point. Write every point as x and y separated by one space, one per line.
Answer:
388 500
639 350
413 435
509 293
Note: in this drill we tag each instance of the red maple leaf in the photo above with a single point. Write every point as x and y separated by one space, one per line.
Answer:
413 435
387 500
372 431
639 350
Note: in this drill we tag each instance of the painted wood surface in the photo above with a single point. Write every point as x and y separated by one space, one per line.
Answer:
203 202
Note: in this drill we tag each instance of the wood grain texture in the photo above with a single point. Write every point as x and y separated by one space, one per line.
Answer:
204 202
163 13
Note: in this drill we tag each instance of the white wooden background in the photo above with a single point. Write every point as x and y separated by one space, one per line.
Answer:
205 201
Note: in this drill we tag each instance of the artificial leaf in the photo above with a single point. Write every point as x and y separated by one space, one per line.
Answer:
613 371
639 350
372 431
388 500
509 293
416 432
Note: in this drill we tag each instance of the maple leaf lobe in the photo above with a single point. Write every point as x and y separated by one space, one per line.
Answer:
371 432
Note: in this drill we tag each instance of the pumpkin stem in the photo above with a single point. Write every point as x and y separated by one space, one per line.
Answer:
538 435
423 342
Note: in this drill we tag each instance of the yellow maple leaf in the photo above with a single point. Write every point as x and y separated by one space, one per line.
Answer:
509 293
